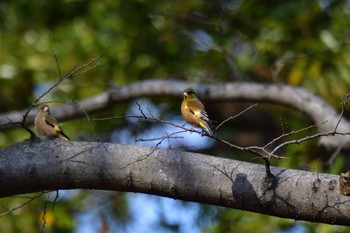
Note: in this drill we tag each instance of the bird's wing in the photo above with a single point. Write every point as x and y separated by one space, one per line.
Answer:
197 108
202 115
52 122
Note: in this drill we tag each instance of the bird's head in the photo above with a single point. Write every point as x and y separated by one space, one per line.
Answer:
44 108
189 93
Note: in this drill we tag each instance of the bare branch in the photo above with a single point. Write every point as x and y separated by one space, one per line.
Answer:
30 199
167 136
88 119
261 152
43 217
343 103
58 65
317 135
235 116
333 156
284 135
73 72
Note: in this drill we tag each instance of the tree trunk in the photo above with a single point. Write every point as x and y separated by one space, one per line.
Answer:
32 166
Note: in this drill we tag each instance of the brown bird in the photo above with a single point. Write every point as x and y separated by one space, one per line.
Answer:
47 126
193 111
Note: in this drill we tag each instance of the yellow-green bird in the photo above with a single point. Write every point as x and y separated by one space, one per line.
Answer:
193 111
47 126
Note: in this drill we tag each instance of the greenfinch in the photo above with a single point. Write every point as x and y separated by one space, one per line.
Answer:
47 126
194 113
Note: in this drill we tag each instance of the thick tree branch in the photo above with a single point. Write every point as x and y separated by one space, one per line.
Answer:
33 166
295 97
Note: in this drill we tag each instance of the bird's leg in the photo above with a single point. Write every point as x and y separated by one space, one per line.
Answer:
202 133
192 129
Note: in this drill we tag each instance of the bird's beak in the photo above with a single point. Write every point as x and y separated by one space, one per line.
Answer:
185 94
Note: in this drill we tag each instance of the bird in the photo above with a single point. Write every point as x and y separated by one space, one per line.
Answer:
194 113
47 126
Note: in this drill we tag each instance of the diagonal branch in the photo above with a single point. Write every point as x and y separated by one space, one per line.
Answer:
75 71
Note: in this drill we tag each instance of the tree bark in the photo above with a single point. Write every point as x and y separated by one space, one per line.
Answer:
33 166
295 97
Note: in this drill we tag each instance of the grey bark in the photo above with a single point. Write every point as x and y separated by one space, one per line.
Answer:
298 98
33 166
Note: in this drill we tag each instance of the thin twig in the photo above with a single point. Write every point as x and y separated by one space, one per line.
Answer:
147 107
23 204
262 152
75 71
334 155
88 119
235 116
43 217
55 200
283 135
343 103
317 135
58 65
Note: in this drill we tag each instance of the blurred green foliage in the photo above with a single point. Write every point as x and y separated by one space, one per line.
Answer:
303 43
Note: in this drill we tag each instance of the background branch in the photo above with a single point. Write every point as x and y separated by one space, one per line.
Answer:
295 97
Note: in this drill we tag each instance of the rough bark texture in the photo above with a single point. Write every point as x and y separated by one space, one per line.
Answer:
32 166
298 98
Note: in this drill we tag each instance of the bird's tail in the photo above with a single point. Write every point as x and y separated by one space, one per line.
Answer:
60 133
207 128
63 136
